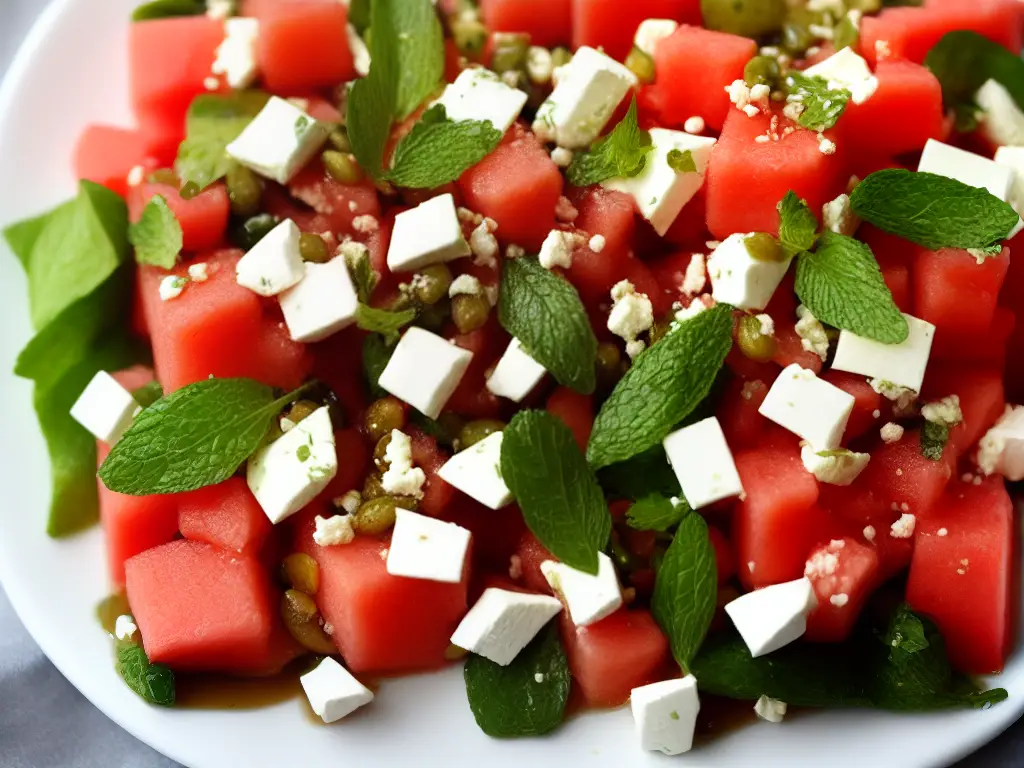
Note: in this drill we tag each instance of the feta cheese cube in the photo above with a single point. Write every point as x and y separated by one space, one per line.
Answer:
479 94
848 70
589 598
1002 448
770 618
236 56
105 408
290 472
275 263
967 167
428 234
426 548
424 370
588 90
333 692
1003 122
476 472
516 373
502 623
770 710
741 279
902 364
651 32
279 141
660 191
839 467
703 463
808 406
665 715
1013 158
323 303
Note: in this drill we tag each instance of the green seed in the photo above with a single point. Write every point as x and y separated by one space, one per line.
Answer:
762 70
749 18
475 431
752 343
470 35
339 140
560 57
301 410
342 167
373 487
244 190
302 618
380 452
641 65
764 247
510 52
313 248
470 312
434 316
377 516
432 283
382 417
301 572
190 191
796 38
164 176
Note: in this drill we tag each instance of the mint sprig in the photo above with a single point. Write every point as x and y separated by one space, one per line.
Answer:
213 122
934 437
648 473
620 154
686 589
931 210
906 636
797 225
153 682
192 438
544 311
557 492
386 322
963 61
157 236
439 150
665 384
526 698
656 513
822 106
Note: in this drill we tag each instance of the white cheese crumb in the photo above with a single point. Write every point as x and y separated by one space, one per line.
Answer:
811 332
464 284
199 273
876 414
515 251
770 710
632 313
902 398
125 628
891 433
751 565
539 677
839 600
539 65
136 176
695 277
942 532
827 146
822 564
334 530
562 157
694 124
365 224
904 527
945 411
869 532
171 287
350 501
767 324
597 243
211 83
484 245
557 248
838 216
401 477
882 50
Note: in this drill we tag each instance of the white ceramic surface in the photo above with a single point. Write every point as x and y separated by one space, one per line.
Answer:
72 71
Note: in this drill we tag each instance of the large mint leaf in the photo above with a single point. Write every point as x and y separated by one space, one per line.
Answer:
153 682
656 513
822 106
439 150
645 474
797 226
157 236
213 122
620 154
963 61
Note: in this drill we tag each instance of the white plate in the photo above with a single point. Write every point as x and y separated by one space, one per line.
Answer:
72 71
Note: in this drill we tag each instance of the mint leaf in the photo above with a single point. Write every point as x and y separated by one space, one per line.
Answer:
212 123
667 381
359 15
526 698
933 440
645 474
157 236
192 438
963 61
148 394
686 589
846 33
557 492
656 513
438 150
376 354
932 210
163 9
905 636
797 226
368 118
841 284
620 154
153 682
822 106
681 162
383 321
544 311
22 235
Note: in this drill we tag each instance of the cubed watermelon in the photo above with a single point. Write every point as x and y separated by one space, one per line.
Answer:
738 414
227 515
942 281
576 411
844 572
547 22
611 24
865 403
981 395
203 219
303 45
338 204
106 155
901 478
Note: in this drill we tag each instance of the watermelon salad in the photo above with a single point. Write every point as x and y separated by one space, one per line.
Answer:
640 352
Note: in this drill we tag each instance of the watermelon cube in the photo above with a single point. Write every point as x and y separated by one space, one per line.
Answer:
106 155
942 280
844 572
203 219
902 479
611 24
227 515
547 22
981 395
303 45
866 402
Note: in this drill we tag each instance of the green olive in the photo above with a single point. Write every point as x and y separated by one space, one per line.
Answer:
302 618
383 416
313 249
761 70
846 34
300 410
380 451
510 51
164 176
338 139
753 344
301 572
450 424
432 283
609 360
244 190
377 516
373 487
764 247
750 18
189 191
796 38
434 316
475 431
470 35
623 557
560 57
641 65
470 312
342 167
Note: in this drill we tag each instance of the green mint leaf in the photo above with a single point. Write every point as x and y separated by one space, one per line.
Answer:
544 311
376 354
645 474
361 271
165 9
933 440
963 61
906 636
438 150
22 235
157 236
932 210
212 123
665 384
686 589
526 698
822 106
797 226
192 438
681 162
846 33
656 513
557 492
620 154
384 321
148 394
359 15
841 284
153 682
369 121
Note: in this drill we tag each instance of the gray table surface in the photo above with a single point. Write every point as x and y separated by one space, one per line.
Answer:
46 723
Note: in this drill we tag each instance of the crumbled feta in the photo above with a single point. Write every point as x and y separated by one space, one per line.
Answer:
236 56
665 715
279 141
360 52
838 216
750 100
502 623
125 628
220 9
105 408
891 433
539 65
426 548
136 176
334 530
690 311
651 32
171 287
869 532
483 244
821 564
479 94
811 332
902 364
589 598
767 324
695 277
769 709
333 692
275 263
401 478
424 370
1003 121
632 313
904 527
945 411
324 302
846 70
365 224
557 249
703 463
942 532
515 251
809 407
597 243
476 471
350 501
1001 450
770 618
903 399
836 467
694 125
741 279
516 373
466 285
199 272
826 146
428 234
839 600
